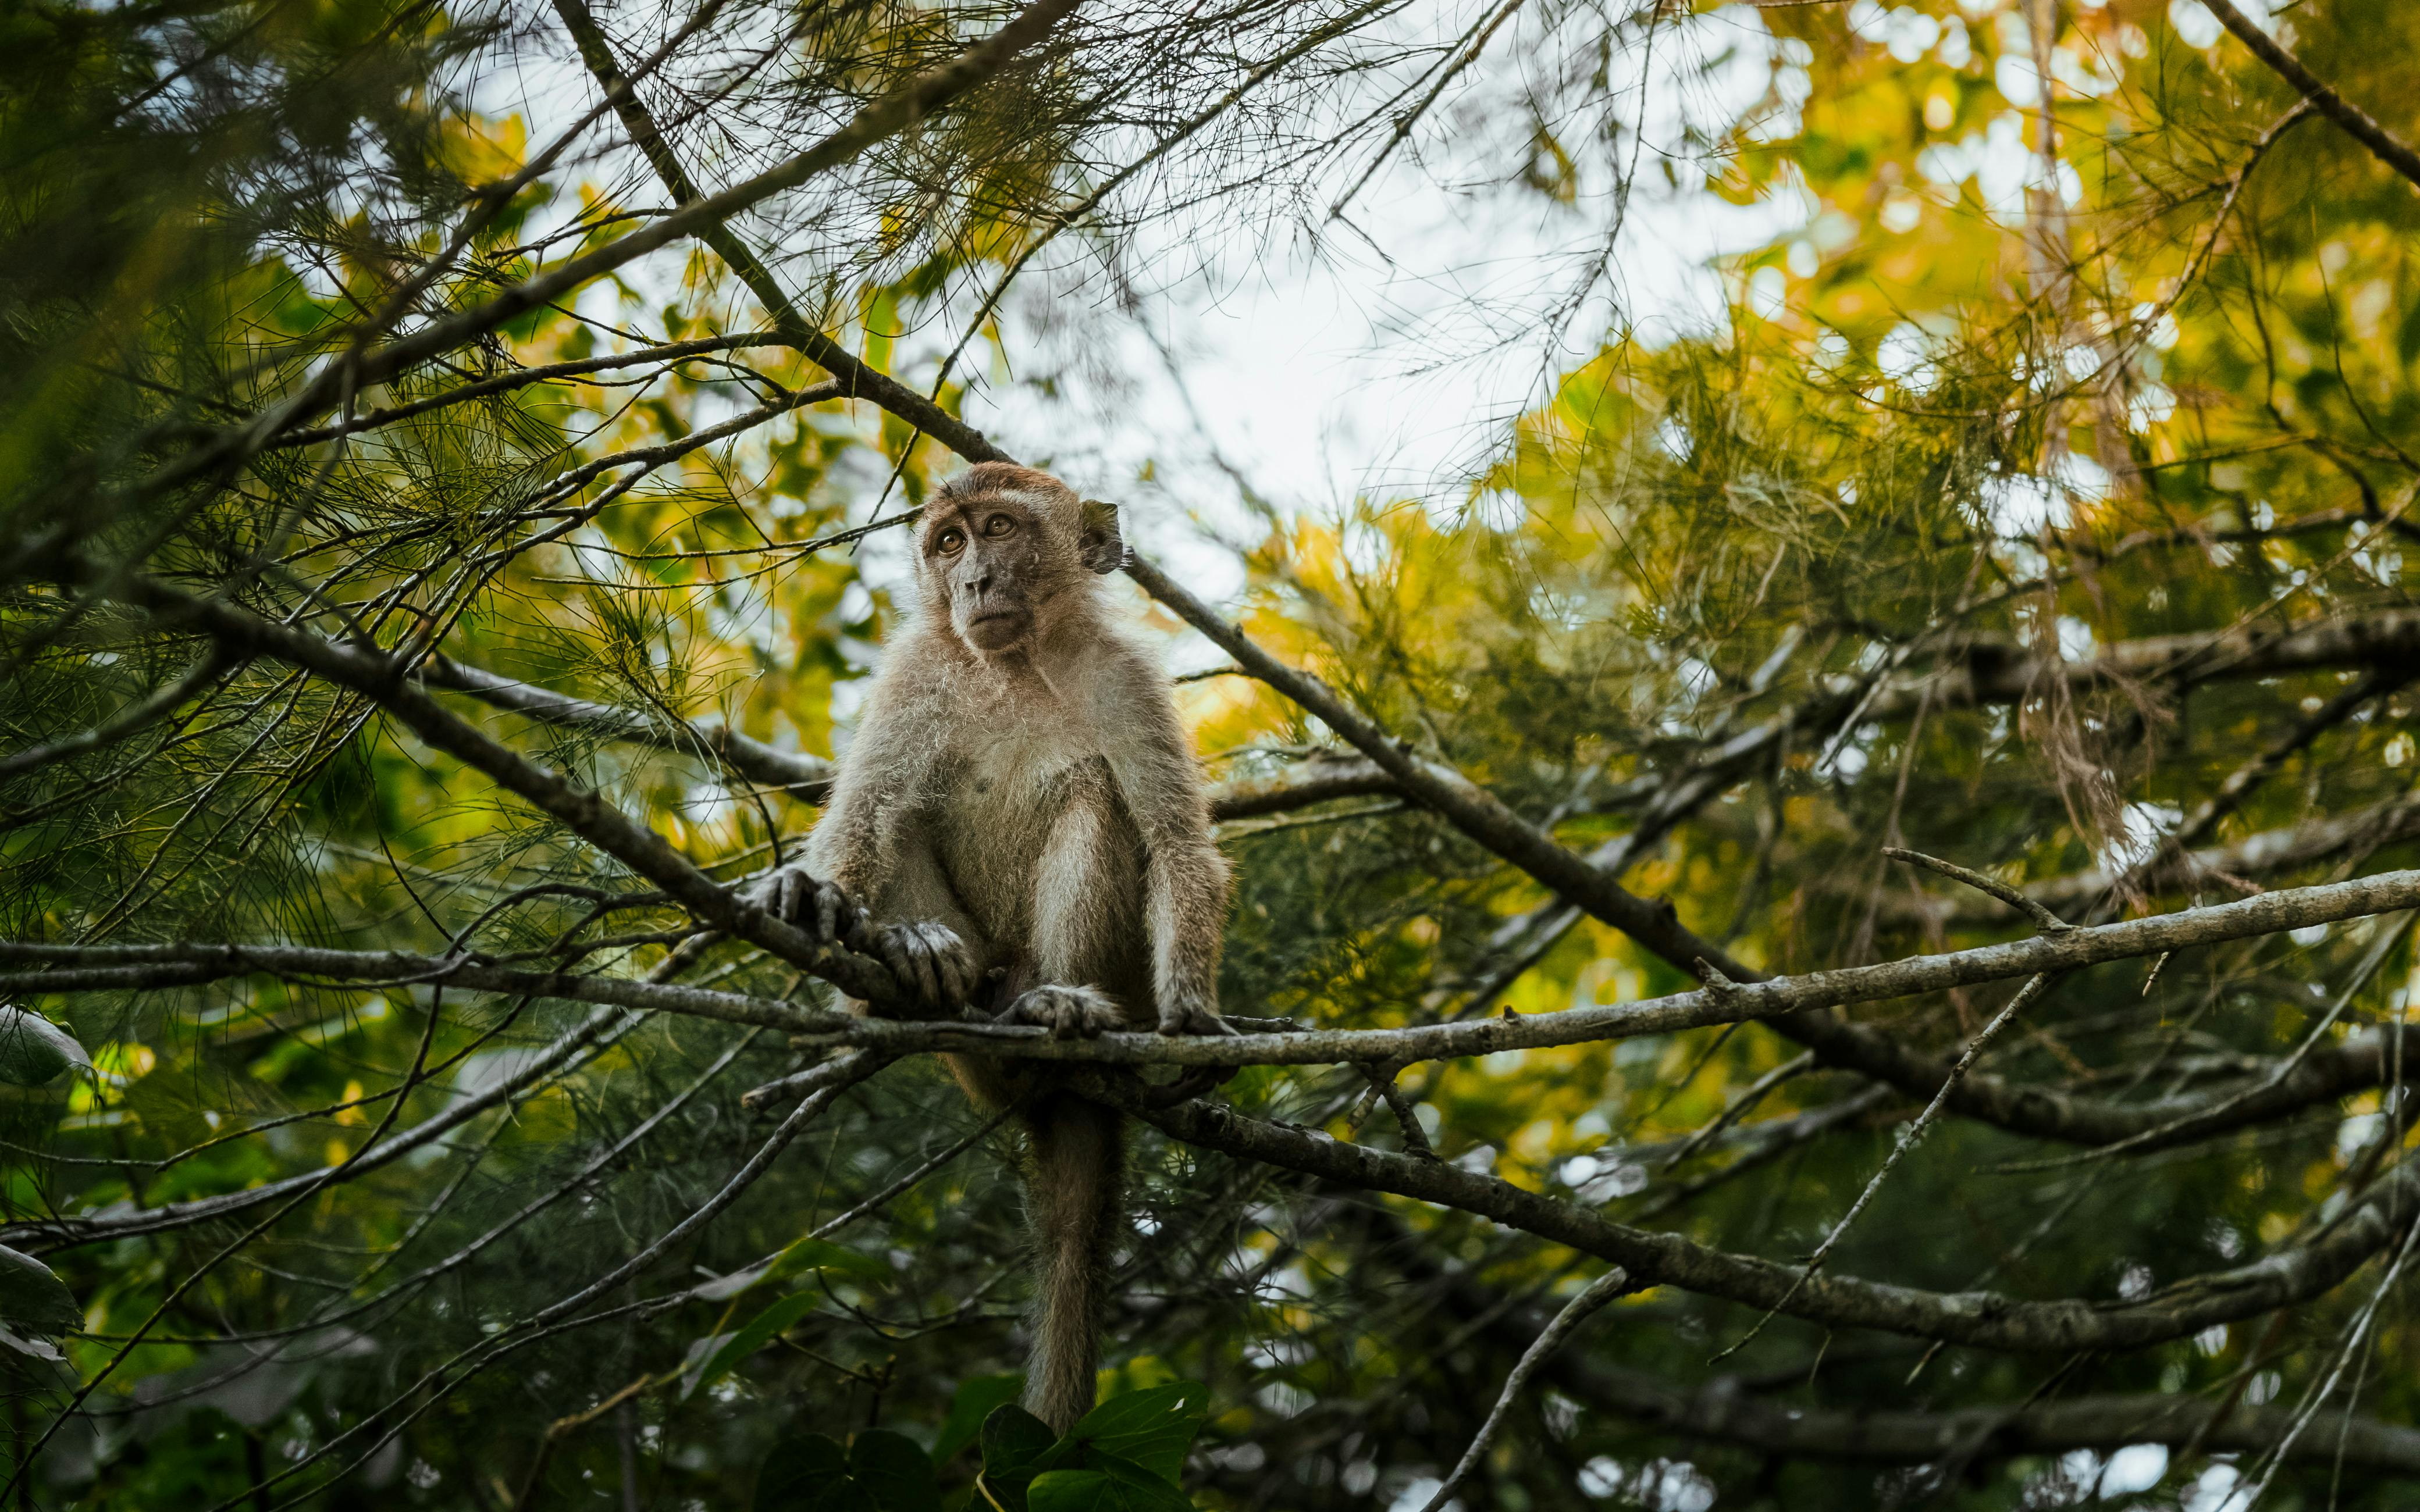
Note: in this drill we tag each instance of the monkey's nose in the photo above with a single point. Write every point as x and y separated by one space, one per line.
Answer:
979 586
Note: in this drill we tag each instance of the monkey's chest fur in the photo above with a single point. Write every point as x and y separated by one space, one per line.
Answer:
1044 854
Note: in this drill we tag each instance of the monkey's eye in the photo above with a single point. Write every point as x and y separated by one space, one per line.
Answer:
949 541
998 525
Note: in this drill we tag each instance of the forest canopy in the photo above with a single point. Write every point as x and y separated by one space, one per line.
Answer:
1826 838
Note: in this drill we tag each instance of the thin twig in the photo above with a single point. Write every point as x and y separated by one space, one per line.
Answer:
1613 1284
2048 921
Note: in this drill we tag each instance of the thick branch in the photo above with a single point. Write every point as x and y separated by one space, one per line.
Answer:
2289 848
1723 1412
87 969
1470 808
1989 671
1725 1409
1316 780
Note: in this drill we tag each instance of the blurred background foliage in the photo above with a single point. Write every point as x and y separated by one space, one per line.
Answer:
1730 610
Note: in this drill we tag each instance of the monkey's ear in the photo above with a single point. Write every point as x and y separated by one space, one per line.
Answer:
1098 541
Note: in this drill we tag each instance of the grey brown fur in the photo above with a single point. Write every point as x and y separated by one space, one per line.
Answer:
1021 815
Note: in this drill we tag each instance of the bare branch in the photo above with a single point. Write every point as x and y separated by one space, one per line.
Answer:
1579 1310
806 778
2044 918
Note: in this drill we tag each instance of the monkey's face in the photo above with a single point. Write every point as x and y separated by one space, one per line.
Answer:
1003 546
992 557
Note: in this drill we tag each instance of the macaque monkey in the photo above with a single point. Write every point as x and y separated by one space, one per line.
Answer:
1020 816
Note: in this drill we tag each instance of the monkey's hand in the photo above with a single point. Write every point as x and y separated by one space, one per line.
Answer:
1183 1017
1067 1012
935 970
808 903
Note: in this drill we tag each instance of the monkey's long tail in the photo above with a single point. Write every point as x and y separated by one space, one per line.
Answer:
1073 1192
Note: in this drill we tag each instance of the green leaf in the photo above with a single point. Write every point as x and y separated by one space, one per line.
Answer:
977 1397
797 1258
1154 1427
33 1299
803 1254
1107 1484
809 1473
753 1335
34 1050
1016 1446
1070 1490
894 1471
1013 1441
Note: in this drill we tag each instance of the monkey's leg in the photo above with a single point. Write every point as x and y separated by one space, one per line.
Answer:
1073 1192
1083 913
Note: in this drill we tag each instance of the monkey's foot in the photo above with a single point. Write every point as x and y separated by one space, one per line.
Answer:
1192 1018
1067 1012
935 970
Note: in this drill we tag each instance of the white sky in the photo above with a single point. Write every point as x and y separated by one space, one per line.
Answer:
1384 360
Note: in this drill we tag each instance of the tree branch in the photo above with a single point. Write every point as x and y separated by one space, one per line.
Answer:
895 111
124 967
806 778
1980 1320
2356 121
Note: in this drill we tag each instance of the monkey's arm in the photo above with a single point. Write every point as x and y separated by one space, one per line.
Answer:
1185 878
870 877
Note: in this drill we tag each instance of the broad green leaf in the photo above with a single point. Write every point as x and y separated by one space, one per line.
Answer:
1071 1490
34 1050
753 1335
976 1400
894 1471
1016 1446
1154 1426
808 1474
1107 1484
33 1299
1013 1440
